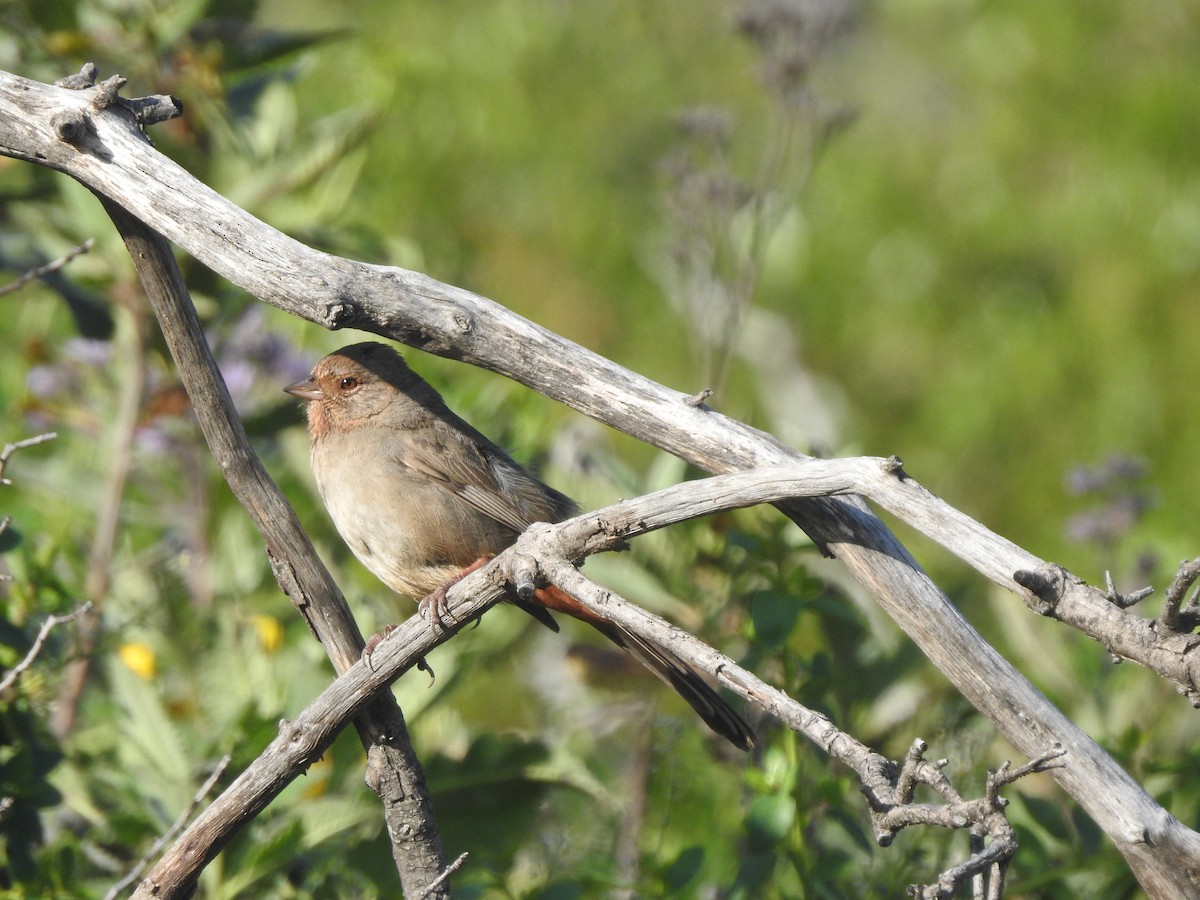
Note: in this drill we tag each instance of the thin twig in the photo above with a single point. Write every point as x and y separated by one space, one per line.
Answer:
53 266
43 633
1123 601
10 449
1185 577
443 878
169 835
5 455
1051 759
985 818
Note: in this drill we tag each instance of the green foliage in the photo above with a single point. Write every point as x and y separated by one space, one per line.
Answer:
978 270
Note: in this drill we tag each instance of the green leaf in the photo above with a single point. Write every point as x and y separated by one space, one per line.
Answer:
770 818
684 869
774 614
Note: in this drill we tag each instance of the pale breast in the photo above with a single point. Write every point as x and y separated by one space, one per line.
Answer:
409 532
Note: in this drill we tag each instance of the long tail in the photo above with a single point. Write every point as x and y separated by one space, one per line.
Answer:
688 683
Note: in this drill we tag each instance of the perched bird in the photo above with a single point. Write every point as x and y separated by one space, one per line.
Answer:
420 496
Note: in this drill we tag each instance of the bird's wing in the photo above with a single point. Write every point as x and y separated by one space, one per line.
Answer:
480 474
483 476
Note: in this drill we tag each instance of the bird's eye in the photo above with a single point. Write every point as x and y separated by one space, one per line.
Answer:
348 383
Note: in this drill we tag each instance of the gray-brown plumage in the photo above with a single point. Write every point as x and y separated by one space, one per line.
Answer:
419 495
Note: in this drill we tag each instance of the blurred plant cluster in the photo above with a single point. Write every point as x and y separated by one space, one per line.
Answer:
442 147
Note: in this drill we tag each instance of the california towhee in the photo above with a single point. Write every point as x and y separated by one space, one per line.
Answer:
420 496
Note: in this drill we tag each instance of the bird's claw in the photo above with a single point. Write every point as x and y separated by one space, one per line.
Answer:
374 641
424 666
433 607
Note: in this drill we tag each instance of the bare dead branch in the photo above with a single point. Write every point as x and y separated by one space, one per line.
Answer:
993 840
883 482
48 626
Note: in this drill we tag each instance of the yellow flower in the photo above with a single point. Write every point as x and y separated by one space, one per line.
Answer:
270 632
139 657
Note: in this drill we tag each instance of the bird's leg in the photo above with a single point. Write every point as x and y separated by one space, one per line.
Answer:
433 605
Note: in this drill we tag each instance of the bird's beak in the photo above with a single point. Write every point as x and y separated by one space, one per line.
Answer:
305 390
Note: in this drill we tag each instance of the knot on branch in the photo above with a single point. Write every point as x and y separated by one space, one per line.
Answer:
71 126
523 575
107 91
1046 586
343 313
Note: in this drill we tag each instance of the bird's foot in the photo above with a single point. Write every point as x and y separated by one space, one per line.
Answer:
433 605
374 641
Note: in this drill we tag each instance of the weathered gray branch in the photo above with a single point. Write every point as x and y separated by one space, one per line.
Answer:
394 772
104 150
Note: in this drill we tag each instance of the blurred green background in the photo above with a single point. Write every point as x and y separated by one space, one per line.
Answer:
964 233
